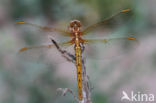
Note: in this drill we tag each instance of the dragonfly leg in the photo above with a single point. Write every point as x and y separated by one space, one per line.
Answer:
67 55
82 48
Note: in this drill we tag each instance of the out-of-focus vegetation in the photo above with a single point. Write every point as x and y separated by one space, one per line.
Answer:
23 81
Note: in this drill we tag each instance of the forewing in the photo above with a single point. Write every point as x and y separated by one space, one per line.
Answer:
108 23
46 28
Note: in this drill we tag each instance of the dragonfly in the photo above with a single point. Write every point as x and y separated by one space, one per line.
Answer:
76 34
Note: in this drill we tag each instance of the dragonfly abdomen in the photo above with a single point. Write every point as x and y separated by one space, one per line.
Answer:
79 71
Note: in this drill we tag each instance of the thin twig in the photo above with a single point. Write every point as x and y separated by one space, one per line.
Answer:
65 90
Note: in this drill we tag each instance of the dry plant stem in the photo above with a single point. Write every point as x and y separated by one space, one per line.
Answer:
85 82
86 88
65 90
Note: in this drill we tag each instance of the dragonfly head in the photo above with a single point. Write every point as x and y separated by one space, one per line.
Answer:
75 26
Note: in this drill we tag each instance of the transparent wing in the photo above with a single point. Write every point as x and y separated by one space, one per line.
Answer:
109 40
106 22
45 28
43 53
44 46
108 48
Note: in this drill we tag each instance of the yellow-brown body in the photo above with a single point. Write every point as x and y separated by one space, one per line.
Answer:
77 40
79 71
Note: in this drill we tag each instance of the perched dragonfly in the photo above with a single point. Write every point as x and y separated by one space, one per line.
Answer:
76 34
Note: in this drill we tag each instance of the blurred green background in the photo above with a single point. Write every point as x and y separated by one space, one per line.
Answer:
36 82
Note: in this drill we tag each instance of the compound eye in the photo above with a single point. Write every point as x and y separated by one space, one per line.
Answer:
78 24
71 24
